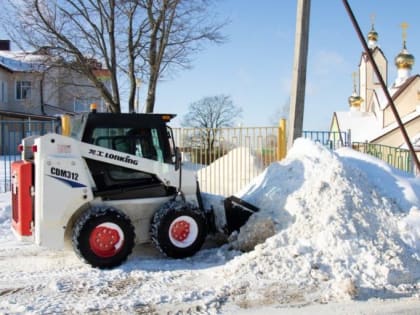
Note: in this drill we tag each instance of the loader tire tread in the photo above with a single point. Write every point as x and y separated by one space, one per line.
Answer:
160 228
88 220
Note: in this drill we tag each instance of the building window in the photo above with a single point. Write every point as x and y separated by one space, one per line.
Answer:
23 90
3 95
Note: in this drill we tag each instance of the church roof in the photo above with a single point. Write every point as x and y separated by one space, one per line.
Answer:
415 141
371 130
393 91
375 50
406 119
353 120
365 126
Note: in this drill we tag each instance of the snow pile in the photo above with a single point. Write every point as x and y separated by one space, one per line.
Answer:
334 227
231 172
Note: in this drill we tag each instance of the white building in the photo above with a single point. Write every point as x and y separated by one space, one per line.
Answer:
370 118
33 89
30 86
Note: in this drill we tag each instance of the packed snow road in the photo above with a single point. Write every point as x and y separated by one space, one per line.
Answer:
337 233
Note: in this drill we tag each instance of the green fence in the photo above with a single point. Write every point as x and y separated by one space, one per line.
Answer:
329 139
396 157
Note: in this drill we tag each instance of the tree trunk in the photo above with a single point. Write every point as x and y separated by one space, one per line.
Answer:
150 102
131 101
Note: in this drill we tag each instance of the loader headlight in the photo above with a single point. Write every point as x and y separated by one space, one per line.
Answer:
93 108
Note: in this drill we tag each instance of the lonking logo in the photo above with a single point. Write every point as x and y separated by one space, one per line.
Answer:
115 157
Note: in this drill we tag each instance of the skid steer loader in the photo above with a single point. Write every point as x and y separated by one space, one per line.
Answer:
107 182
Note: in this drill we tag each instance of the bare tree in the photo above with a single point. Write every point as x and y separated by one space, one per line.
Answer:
212 112
177 29
209 114
139 39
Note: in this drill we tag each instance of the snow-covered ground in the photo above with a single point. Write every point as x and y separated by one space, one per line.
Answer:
343 236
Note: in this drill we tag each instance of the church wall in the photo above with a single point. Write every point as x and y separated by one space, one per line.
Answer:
405 103
368 81
363 83
395 138
334 125
383 66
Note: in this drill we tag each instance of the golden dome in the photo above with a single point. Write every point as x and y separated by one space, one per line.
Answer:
355 100
373 35
404 60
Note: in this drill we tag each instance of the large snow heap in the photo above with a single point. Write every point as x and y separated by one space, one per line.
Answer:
336 224
230 172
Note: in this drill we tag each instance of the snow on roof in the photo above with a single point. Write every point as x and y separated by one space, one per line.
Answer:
394 92
19 61
381 97
415 141
363 125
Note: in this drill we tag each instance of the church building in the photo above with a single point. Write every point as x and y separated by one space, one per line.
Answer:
369 118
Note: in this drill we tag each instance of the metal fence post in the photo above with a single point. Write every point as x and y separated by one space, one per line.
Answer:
281 140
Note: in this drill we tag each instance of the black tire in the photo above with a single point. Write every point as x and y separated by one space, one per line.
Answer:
178 229
103 237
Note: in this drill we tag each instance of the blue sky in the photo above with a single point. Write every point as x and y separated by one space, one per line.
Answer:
255 66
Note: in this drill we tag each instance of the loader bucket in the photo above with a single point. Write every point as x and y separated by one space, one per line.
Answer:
237 213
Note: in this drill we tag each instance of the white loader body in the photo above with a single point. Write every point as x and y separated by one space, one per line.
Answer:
64 186
111 180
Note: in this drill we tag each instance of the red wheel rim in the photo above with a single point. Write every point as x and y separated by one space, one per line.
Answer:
183 231
106 240
180 230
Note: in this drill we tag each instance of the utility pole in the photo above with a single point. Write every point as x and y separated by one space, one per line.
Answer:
297 95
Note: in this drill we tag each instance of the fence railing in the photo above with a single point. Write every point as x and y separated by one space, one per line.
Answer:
329 139
397 157
11 134
225 159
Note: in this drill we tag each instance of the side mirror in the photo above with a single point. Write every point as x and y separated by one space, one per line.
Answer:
177 159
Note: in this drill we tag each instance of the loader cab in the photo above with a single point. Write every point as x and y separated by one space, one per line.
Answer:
143 135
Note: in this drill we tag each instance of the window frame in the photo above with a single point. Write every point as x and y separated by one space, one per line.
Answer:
4 95
23 90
